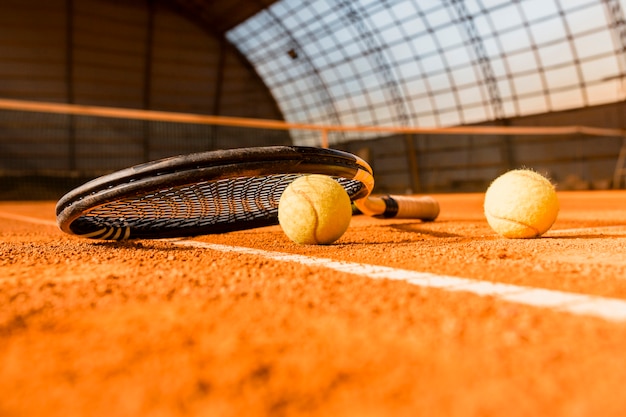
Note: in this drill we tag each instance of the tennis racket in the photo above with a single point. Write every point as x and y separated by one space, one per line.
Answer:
217 192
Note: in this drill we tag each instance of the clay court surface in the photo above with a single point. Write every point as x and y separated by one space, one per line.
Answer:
205 327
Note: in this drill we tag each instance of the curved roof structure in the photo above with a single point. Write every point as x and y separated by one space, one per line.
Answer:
435 63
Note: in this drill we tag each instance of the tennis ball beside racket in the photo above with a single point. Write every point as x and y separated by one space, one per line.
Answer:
314 209
521 204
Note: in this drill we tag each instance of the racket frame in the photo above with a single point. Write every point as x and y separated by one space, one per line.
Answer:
212 166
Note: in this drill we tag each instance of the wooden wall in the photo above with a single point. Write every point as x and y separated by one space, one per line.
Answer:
137 55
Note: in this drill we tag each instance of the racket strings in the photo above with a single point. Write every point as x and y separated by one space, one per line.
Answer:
247 202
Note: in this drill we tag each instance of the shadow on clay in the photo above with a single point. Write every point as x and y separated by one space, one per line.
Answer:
584 236
419 228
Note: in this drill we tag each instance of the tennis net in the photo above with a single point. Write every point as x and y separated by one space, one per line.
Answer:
46 149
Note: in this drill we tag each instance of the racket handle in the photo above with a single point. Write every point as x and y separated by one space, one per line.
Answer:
424 208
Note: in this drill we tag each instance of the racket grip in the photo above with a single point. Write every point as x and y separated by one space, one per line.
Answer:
399 206
424 208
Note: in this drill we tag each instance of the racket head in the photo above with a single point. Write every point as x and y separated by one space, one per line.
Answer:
202 193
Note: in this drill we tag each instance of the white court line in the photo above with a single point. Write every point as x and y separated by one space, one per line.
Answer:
11 216
580 304
585 305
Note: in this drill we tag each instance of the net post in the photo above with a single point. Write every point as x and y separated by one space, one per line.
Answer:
620 166
324 138
414 174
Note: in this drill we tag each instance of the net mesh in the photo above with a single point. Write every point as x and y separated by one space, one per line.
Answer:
205 207
46 153
48 149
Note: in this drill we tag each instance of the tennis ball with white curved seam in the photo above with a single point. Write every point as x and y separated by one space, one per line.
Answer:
521 204
314 209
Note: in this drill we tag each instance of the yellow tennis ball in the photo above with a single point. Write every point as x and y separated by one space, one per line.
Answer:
521 204
314 209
